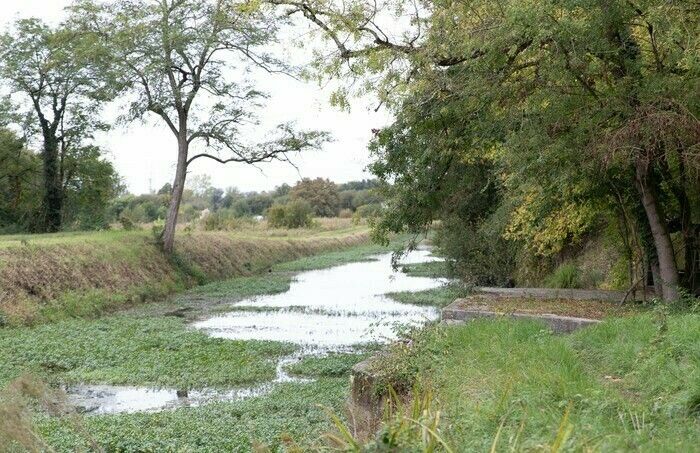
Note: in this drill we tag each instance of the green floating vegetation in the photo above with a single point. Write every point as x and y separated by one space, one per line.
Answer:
291 415
326 260
628 384
431 269
332 365
437 297
243 287
128 350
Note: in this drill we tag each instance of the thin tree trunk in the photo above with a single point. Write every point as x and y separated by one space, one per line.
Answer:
53 190
176 196
668 270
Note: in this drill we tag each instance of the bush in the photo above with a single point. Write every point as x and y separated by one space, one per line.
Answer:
345 213
369 210
295 214
127 223
566 276
481 255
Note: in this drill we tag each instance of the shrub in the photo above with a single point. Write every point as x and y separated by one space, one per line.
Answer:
127 223
369 210
276 216
566 276
299 214
295 214
345 213
481 255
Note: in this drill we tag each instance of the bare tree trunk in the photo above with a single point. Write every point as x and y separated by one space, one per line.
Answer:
668 270
53 186
176 196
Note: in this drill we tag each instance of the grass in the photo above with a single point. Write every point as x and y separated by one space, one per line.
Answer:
628 384
432 269
436 297
128 350
45 278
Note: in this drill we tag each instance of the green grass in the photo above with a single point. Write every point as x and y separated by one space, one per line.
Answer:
291 411
629 384
326 260
437 297
128 350
433 269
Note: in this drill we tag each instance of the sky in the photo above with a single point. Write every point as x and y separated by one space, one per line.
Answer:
144 154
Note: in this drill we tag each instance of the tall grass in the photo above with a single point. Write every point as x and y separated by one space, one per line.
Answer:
628 384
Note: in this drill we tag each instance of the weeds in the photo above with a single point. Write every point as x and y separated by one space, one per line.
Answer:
565 276
413 426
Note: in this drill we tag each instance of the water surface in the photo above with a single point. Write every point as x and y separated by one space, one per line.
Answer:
335 309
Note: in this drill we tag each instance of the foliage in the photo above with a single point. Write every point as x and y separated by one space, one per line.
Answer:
289 411
437 297
18 174
54 71
294 214
414 427
88 184
321 194
565 276
331 365
557 117
126 350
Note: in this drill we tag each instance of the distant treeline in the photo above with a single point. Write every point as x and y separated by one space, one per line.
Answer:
94 198
323 197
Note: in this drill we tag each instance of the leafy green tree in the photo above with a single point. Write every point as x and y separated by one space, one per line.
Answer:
51 68
585 107
18 184
175 58
321 194
89 184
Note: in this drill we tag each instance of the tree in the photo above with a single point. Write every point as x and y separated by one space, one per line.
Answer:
175 58
321 194
52 68
89 184
18 183
587 108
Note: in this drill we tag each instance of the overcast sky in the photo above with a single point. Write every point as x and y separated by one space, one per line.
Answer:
144 154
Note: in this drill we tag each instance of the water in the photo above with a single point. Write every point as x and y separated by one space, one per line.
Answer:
326 310
331 308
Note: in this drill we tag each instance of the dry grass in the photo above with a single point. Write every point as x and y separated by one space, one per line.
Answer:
81 275
592 309
17 431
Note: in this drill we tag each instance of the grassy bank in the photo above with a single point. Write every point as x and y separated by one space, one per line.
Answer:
53 277
628 384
